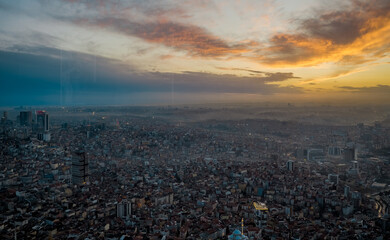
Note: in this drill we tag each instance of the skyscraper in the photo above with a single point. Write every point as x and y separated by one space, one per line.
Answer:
123 209
4 118
290 165
43 121
80 170
25 118
346 191
350 154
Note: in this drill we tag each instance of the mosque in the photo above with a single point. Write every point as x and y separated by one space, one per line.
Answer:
237 235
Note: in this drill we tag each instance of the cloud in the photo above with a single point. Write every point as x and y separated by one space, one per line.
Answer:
378 89
218 83
266 76
337 73
43 75
356 35
353 33
194 40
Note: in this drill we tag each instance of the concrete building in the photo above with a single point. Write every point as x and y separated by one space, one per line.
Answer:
123 209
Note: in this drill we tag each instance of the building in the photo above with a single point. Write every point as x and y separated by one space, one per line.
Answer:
333 178
355 165
314 154
350 154
354 169
301 153
356 198
80 168
346 191
123 209
43 121
5 117
290 165
46 136
237 235
261 214
25 118
334 151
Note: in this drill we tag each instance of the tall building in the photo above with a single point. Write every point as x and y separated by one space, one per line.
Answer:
25 118
4 118
80 169
346 191
123 209
350 154
290 165
334 151
43 121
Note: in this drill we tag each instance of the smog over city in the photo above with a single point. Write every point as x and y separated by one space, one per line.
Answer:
179 119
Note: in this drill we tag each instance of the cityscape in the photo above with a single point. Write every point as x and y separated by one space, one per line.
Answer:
158 173
180 119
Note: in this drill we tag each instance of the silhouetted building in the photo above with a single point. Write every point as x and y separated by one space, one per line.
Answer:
80 169
25 118
40 136
64 126
5 117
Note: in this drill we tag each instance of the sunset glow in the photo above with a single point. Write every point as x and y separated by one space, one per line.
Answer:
138 50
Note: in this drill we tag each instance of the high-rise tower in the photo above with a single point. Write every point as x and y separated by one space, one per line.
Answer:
80 169
43 121
25 118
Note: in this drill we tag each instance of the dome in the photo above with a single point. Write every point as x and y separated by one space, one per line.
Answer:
237 235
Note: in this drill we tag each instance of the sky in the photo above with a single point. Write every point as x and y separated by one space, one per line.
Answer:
114 52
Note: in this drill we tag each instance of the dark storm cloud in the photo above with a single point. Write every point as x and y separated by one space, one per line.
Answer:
58 77
221 83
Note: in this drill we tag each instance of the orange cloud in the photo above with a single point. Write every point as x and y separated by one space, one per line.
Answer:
195 40
352 36
356 34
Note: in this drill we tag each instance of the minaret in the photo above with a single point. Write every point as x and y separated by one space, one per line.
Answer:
242 226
